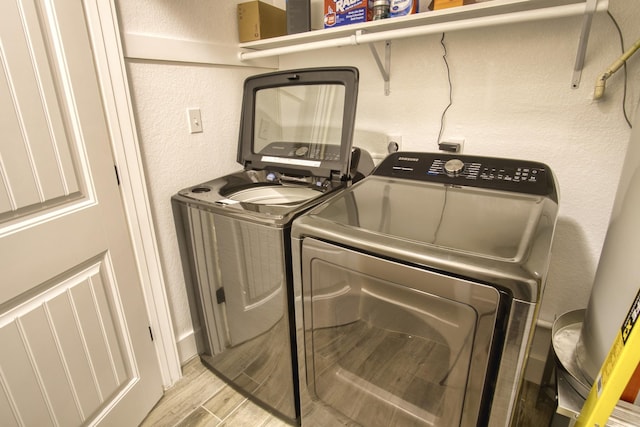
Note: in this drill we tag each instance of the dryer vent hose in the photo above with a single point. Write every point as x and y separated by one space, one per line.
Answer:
598 92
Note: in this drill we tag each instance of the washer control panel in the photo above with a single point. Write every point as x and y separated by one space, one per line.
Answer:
299 150
455 169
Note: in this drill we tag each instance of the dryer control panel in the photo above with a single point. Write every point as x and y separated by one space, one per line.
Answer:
522 176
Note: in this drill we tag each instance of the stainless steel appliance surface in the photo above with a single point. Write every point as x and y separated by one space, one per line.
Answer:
417 291
233 231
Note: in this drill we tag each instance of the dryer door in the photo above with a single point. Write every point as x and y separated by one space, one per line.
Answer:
414 344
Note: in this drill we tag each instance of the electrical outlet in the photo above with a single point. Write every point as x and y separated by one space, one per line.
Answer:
195 121
394 143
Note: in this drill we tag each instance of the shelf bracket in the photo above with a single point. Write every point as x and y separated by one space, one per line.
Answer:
590 10
385 70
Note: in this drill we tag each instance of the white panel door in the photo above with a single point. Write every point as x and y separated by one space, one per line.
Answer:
75 346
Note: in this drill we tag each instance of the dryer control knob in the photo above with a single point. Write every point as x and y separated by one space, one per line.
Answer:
454 167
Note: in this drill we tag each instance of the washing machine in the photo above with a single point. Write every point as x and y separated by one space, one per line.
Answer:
233 231
417 291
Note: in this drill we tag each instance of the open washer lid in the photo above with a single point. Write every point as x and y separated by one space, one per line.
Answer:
299 122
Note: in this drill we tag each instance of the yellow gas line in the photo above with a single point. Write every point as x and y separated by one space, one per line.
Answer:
598 92
617 369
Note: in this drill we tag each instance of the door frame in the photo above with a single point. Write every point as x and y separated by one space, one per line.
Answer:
104 31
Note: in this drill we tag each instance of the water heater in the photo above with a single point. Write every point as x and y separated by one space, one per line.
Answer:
618 276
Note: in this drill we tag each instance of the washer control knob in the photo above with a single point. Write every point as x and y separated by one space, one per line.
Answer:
454 167
301 151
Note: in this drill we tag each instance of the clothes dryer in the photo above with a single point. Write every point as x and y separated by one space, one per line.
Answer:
418 290
295 146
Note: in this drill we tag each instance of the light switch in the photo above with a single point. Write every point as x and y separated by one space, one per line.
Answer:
195 121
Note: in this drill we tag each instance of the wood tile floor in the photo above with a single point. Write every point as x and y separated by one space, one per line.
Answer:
201 399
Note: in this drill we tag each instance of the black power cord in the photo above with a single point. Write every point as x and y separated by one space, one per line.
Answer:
624 71
446 63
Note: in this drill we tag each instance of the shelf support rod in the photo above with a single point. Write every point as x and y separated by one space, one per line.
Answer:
385 70
590 9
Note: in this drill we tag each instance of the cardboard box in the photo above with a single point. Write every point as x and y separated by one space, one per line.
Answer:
344 12
443 4
258 20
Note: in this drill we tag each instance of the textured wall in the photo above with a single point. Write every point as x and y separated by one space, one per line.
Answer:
162 91
511 98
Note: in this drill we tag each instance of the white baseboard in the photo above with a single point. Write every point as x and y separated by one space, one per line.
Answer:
187 348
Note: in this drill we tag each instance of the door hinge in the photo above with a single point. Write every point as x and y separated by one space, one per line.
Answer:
151 333
117 175
220 297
